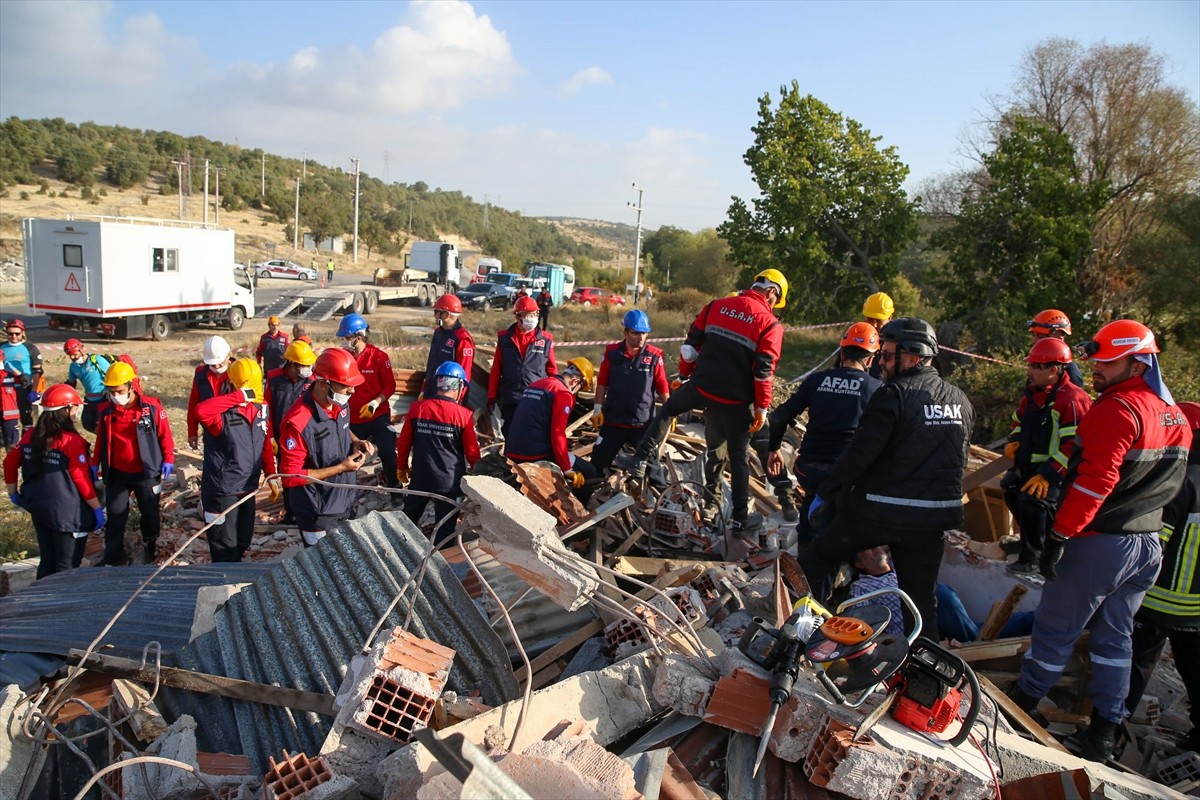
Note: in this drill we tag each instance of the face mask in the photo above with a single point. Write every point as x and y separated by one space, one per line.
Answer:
528 323
339 398
119 399
76 413
305 372
79 359
219 370
349 344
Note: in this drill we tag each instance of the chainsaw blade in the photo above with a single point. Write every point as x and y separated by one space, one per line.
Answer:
875 715
869 665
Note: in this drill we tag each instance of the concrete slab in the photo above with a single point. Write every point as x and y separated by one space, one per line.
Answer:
210 600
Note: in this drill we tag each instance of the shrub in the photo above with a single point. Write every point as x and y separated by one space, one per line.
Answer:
145 198
994 391
24 195
87 193
687 300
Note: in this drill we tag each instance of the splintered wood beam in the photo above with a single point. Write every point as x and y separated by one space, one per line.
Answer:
1001 612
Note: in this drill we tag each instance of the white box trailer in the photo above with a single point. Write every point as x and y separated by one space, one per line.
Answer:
131 277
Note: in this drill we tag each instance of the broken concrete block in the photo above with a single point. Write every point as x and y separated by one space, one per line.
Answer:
17 575
680 684
681 605
167 782
210 600
522 537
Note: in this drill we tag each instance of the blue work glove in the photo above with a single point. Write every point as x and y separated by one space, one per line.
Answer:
101 517
34 396
814 509
1052 553
167 471
16 499
95 473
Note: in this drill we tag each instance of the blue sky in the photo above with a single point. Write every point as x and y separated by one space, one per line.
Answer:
550 108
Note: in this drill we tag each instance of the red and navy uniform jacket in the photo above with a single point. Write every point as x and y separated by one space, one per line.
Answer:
314 437
271 349
55 488
241 445
539 426
836 399
440 434
282 393
545 300
206 384
376 368
633 381
1131 459
522 357
739 340
1045 424
134 438
453 344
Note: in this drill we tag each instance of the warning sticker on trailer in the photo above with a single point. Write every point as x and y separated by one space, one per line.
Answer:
72 284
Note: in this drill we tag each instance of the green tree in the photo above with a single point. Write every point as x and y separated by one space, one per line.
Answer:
372 233
324 213
1169 260
77 164
125 168
832 214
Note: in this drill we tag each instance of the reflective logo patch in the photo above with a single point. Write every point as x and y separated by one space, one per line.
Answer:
82 460
290 444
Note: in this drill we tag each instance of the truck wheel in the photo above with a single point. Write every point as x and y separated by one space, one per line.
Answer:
237 318
423 295
372 303
160 328
358 303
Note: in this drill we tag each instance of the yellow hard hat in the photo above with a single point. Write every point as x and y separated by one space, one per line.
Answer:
879 306
119 374
775 277
245 373
585 368
301 353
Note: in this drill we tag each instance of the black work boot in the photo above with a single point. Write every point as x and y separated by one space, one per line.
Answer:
788 506
747 528
1026 702
1098 740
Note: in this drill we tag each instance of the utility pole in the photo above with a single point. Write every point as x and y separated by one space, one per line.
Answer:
485 212
637 253
206 191
304 166
296 222
263 190
410 206
356 177
387 157
218 170
179 184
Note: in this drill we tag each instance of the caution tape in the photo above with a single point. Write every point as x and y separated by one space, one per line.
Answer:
981 358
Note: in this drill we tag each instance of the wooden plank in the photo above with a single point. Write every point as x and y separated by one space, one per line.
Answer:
1001 612
984 651
1015 713
985 473
638 565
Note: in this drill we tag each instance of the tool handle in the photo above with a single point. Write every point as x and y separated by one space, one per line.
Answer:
833 690
972 712
756 624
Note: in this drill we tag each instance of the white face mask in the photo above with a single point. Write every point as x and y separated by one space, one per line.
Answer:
305 372
76 413
528 323
119 399
79 359
339 398
218 369
349 345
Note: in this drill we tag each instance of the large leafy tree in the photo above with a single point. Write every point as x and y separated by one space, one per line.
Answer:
832 214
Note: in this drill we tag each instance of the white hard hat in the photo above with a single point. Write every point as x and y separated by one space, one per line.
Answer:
216 350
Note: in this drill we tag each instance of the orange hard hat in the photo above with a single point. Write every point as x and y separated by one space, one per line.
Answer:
1124 337
861 334
1049 321
1049 351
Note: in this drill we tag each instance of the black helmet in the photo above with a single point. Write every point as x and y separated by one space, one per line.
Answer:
912 335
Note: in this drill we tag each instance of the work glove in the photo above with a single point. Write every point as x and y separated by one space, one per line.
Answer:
402 476
95 474
17 500
1037 486
100 517
275 486
575 479
1052 553
814 510
1010 450
167 471
760 419
598 417
369 409
34 396
675 384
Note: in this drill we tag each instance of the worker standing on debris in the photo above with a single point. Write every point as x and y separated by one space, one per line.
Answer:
523 356
899 480
1040 444
452 343
318 444
439 433
1171 609
835 400
632 379
283 388
729 363
539 430
88 370
271 346
135 453
56 489
1103 553
1054 324
208 382
371 403
239 451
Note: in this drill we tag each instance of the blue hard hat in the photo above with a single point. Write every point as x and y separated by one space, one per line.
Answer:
450 369
636 321
352 324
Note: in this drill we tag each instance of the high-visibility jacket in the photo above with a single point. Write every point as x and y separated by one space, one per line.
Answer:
1045 423
1174 600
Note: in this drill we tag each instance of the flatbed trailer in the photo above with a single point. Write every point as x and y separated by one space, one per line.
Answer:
318 305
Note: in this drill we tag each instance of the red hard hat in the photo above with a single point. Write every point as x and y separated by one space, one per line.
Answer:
1124 337
448 302
1192 412
861 334
60 395
1049 321
337 365
15 323
72 346
525 304
1049 351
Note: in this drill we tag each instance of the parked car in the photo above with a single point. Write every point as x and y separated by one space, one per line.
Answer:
280 268
480 296
593 296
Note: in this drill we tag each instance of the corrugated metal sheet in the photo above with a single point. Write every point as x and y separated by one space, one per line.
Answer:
300 625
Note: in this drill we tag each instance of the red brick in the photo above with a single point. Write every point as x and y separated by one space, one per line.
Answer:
740 701
294 776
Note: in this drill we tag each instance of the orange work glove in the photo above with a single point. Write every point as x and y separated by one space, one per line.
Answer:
675 384
402 476
760 419
1010 450
575 479
1037 486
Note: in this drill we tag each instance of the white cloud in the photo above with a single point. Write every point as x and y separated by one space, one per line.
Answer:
592 76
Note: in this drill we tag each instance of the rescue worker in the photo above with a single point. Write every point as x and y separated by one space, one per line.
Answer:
271 346
56 488
1171 609
1040 444
540 425
1054 324
632 379
899 480
235 458
283 388
300 334
728 362
1102 553
452 342
134 454
545 302
835 400
523 356
318 444
329 270
877 311
88 370
208 381
439 433
23 373
370 404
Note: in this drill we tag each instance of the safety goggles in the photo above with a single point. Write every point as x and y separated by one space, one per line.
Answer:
1086 350
1047 326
